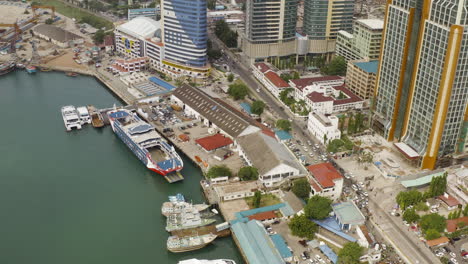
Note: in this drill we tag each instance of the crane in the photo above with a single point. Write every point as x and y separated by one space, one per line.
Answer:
34 7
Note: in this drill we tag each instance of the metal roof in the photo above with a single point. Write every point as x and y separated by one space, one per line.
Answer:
142 27
162 83
256 244
348 213
55 33
281 246
329 253
423 179
369 67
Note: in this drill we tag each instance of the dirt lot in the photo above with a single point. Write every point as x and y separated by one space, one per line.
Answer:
10 12
229 208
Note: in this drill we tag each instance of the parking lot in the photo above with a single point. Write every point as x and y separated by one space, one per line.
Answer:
307 152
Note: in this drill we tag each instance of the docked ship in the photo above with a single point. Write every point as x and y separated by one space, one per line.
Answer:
170 208
70 116
143 140
176 244
84 115
96 118
189 217
6 67
31 69
205 261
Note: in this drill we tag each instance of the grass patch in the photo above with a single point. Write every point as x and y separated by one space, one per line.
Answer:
267 199
77 13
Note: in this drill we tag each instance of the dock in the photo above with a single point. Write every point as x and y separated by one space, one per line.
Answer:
174 177
202 231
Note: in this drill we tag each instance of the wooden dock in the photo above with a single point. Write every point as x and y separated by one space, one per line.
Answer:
202 231
174 177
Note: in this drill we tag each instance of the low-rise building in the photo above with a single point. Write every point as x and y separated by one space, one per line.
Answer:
438 242
348 215
58 36
269 78
214 142
449 202
365 238
123 66
325 180
236 190
263 216
457 223
324 128
361 77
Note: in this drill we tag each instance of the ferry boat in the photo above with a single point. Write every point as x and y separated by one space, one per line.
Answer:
176 244
71 118
84 115
31 69
6 67
96 117
143 140
188 217
205 261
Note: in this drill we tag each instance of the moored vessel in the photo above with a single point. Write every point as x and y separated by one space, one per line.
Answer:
6 67
31 69
70 117
189 217
170 208
206 261
176 244
84 115
96 117
71 74
45 69
143 140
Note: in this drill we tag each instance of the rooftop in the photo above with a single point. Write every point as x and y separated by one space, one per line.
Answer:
243 215
437 242
351 97
331 225
262 67
325 174
304 82
372 23
276 80
162 83
214 142
55 33
255 243
263 216
143 27
348 213
448 200
235 187
408 151
327 251
369 66
345 34
423 178
283 135
281 246
324 120
452 224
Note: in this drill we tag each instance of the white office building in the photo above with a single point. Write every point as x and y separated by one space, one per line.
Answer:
324 128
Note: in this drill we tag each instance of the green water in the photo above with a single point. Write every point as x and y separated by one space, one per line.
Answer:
79 197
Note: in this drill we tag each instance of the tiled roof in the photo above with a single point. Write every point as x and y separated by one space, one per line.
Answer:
263 216
276 80
352 98
304 82
325 174
438 241
449 200
214 142
315 186
452 224
317 97
262 67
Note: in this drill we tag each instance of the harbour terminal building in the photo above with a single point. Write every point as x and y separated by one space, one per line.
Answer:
175 45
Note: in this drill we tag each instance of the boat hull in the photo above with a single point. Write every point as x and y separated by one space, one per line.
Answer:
7 70
186 249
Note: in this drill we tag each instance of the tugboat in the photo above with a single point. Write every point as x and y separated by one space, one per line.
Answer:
31 69
6 67
184 244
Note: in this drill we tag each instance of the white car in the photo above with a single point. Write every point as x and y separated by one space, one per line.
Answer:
454 260
453 255
439 254
365 194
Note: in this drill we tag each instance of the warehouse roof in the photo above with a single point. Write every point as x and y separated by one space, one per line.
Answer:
255 243
55 33
263 216
281 246
214 142
348 213
143 27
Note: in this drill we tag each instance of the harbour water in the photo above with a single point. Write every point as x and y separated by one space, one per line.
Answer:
79 197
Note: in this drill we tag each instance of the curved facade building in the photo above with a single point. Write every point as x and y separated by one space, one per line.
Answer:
184 35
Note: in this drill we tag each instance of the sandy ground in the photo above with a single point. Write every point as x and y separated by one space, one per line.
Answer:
229 208
12 12
67 61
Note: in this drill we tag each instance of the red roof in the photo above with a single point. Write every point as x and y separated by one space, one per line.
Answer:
262 67
269 132
352 98
437 241
325 174
108 40
214 142
304 82
315 186
263 216
317 97
452 224
449 200
276 80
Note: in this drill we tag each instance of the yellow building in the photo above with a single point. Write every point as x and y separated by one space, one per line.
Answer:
360 77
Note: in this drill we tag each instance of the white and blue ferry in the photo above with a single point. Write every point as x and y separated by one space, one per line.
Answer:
147 144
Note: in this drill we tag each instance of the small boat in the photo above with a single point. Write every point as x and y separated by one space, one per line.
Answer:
177 244
186 217
6 67
206 261
176 198
198 159
72 74
46 69
96 117
20 66
71 118
31 69
84 115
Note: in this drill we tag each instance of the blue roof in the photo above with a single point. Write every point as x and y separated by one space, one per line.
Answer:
370 67
162 83
331 225
246 107
287 210
140 129
281 246
283 135
329 253
142 10
118 114
243 216
255 243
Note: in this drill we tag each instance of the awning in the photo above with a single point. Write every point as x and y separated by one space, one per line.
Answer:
408 151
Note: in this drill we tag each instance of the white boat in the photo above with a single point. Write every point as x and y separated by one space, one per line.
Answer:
205 261
85 118
71 118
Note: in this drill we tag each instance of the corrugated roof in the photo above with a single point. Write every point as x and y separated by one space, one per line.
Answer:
369 67
55 33
304 82
287 210
243 215
348 213
162 83
255 243
276 80
263 216
329 253
214 142
452 223
281 246
262 67
437 241
325 174
449 200
143 27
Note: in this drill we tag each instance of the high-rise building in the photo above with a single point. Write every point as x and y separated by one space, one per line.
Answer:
184 34
270 28
322 21
422 82
364 43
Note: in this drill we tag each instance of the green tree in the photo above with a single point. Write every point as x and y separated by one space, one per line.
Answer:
211 4
257 199
318 207
286 77
230 77
350 253
258 107
421 206
296 75
248 173
337 66
214 54
335 145
432 234
218 171
49 21
444 260
465 210
238 91
99 36
432 221
410 216
225 34
407 198
283 124
301 226
301 188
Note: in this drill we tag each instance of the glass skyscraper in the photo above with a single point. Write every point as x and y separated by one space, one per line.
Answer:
422 84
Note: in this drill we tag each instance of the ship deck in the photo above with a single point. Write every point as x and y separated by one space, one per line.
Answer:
157 154
203 230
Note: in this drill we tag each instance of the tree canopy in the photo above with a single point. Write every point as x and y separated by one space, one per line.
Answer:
301 188
318 207
350 253
238 91
258 107
49 21
432 234
99 36
257 199
218 171
303 227
225 34
407 198
283 124
248 173
230 77
337 66
438 185
432 221
410 216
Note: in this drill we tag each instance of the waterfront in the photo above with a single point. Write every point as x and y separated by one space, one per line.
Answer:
79 197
